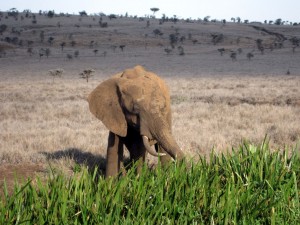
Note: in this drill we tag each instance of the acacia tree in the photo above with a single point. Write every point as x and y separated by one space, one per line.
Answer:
30 51
173 38
250 55
122 47
73 43
3 28
278 21
206 19
55 73
157 32
83 13
168 51
86 74
221 51
51 14
154 10
233 56
76 54
50 40
181 50
42 35
295 41
217 38
69 57
47 52
259 45
62 45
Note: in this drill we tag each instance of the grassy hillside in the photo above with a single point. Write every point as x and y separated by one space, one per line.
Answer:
188 47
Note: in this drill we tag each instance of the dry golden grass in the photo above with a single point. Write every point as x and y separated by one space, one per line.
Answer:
41 120
216 102
221 112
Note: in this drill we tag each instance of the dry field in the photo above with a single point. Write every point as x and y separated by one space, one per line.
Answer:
217 103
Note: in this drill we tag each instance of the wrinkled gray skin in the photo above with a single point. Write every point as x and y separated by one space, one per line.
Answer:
135 106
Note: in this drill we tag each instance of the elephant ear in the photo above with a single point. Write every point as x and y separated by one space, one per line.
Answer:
104 104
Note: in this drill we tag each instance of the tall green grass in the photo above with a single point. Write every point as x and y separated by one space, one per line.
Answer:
251 185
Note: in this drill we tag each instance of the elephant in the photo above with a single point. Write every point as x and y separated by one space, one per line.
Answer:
134 105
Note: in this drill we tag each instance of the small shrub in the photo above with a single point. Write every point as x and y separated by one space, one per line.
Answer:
55 73
47 52
69 57
62 45
122 47
217 38
50 14
3 28
50 40
233 56
157 32
95 51
181 50
87 74
76 54
250 55
83 13
168 51
221 51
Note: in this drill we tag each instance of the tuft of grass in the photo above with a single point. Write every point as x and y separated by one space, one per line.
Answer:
250 185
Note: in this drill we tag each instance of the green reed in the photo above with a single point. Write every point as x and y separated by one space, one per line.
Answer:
249 185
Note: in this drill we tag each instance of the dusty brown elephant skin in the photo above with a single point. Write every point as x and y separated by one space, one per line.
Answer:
135 107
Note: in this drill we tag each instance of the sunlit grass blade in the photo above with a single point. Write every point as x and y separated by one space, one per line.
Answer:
249 185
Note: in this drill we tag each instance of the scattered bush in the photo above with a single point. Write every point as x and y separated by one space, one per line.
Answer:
62 45
55 73
3 28
50 14
87 74
157 32
122 47
83 13
47 52
181 50
50 40
69 57
112 16
95 51
250 55
173 38
233 56
76 54
217 38
221 51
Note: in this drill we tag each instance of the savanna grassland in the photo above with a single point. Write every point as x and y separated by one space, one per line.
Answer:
220 96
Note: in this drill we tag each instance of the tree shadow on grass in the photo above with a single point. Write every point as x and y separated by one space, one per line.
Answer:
80 157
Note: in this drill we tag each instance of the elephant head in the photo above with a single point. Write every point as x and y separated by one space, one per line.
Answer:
138 99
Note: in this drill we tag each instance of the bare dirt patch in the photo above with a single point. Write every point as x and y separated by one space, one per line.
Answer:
12 173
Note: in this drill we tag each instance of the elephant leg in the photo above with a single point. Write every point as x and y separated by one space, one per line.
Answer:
166 159
137 152
138 155
114 155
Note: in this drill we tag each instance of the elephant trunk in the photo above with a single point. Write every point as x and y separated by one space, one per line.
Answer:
168 143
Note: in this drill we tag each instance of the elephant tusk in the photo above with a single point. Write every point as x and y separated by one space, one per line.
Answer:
149 149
